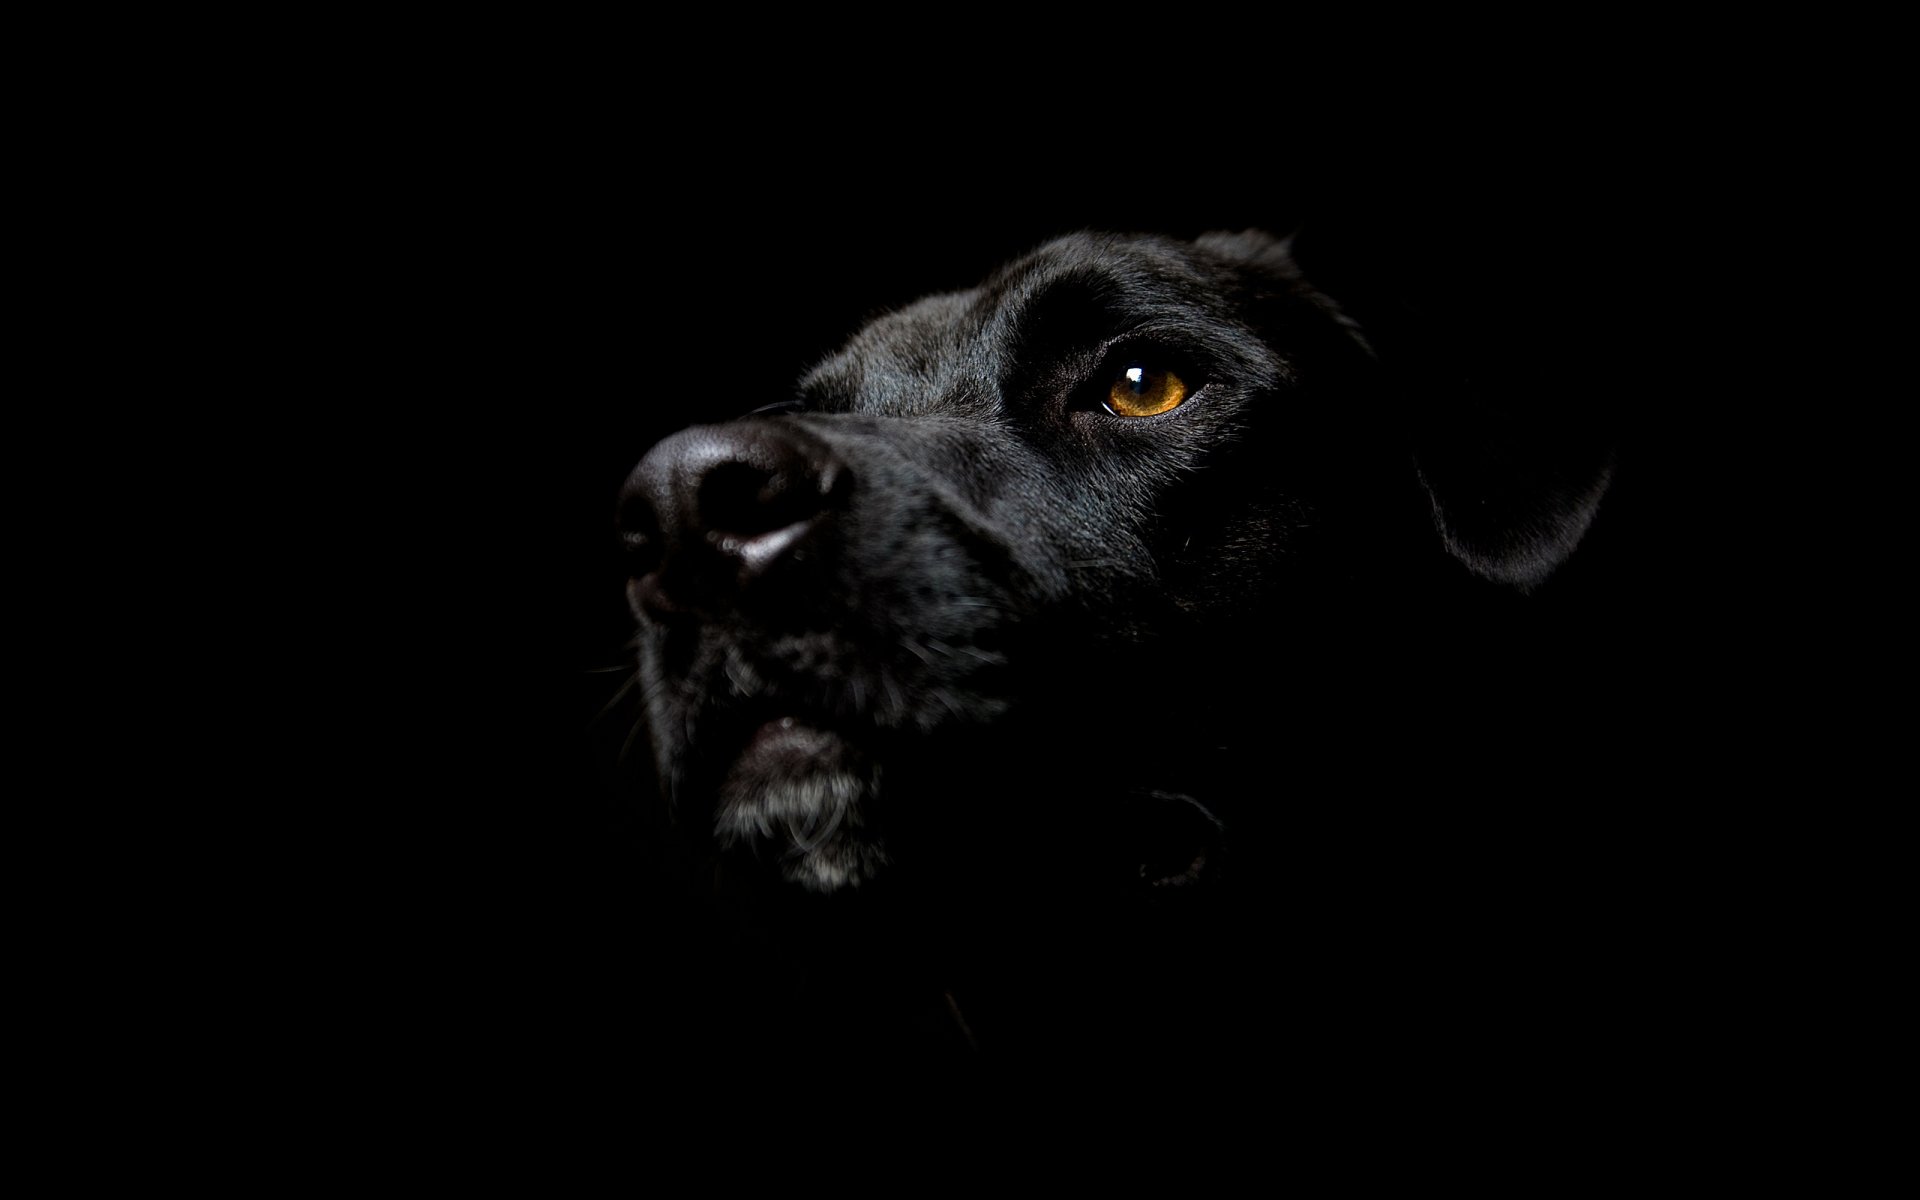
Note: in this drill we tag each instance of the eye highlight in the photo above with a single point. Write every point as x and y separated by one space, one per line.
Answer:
1143 391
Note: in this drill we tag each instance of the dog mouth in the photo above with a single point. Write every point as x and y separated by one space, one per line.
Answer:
832 766
804 792
778 742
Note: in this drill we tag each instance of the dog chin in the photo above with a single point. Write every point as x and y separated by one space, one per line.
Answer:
805 794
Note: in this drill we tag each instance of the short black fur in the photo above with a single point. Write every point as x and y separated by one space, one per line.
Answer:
1055 704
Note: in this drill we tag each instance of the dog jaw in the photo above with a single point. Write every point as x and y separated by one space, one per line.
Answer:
806 791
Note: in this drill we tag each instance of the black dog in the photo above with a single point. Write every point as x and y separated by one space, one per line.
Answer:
1098 607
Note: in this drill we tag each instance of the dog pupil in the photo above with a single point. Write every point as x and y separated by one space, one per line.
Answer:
1137 376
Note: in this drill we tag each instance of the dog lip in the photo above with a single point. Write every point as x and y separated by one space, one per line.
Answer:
772 731
786 742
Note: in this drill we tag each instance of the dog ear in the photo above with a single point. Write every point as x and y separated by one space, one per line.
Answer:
1272 259
1511 445
1498 367
1513 489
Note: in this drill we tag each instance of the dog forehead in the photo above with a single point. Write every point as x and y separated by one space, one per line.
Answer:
1143 265
948 352
909 359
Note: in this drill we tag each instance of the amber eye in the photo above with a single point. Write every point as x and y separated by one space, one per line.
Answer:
1144 392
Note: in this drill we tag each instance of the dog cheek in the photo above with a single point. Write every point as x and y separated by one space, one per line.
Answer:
1094 538
1236 563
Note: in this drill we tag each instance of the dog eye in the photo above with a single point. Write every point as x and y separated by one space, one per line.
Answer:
1142 391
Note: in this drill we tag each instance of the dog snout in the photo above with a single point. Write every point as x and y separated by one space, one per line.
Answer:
713 509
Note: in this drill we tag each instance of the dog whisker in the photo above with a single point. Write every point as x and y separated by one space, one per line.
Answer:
741 687
960 1020
807 839
673 784
626 689
969 602
633 735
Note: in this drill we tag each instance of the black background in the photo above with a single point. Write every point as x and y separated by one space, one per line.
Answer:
421 294
562 292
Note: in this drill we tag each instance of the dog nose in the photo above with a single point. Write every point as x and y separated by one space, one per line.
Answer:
711 509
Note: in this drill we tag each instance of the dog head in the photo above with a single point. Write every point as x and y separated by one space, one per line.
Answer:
1041 541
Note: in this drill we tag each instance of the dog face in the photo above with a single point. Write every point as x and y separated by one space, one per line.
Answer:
1017 547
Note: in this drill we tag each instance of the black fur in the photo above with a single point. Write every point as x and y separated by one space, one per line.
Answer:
1070 692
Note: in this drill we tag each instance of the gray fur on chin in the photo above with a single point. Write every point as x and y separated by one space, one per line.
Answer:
815 817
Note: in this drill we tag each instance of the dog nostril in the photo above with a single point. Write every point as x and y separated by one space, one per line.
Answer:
740 501
641 545
711 509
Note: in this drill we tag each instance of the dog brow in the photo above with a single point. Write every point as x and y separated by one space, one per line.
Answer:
1047 310
1083 306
